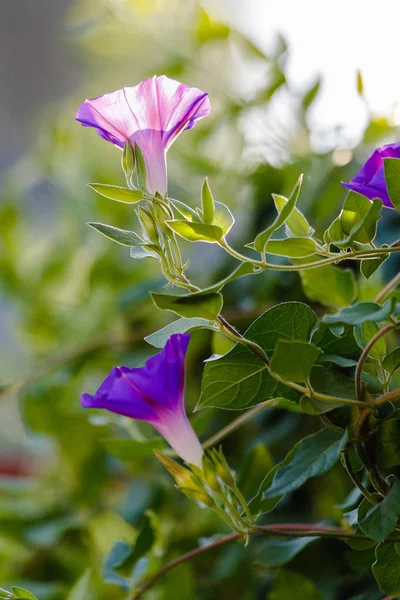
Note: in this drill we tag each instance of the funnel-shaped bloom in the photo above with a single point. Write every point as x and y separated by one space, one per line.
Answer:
154 393
152 114
370 179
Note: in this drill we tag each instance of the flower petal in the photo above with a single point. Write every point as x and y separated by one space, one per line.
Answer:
180 435
370 179
151 114
110 115
118 395
163 376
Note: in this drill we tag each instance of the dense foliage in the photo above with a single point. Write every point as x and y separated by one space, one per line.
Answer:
288 287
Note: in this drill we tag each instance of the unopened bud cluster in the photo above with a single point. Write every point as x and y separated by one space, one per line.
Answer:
214 486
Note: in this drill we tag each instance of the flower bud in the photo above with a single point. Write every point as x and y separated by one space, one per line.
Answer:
200 495
128 160
209 473
183 477
222 468
160 215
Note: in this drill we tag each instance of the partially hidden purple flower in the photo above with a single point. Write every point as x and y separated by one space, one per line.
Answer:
370 179
154 393
152 114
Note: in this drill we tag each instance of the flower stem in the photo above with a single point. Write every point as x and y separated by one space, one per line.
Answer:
281 530
236 423
234 335
388 288
353 255
381 486
354 479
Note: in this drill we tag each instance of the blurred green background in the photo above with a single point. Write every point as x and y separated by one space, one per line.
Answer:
72 304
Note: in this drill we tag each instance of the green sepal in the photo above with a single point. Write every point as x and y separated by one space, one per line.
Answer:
140 168
128 160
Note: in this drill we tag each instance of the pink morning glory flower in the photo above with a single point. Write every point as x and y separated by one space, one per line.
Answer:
154 393
370 179
152 114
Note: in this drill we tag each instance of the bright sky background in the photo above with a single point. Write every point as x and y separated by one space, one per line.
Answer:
333 39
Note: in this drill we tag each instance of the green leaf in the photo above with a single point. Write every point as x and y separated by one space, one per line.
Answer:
140 167
380 520
369 266
385 444
386 569
120 562
354 517
315 455
330 384
369 329
206 305
334 233
114 192
276 552
121 236
343 345
287 581
127 449
207 203
329 285
196 232
20 592
223 217
391 361
341 361
83 588
296 221
310 95
262 238
358 219
138 252
120 554
160 337
260 504
360 83
208 29
293 360
254 464
292 247
359 313
392 178
240 379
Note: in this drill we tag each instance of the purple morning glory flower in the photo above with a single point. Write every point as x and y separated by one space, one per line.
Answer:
152 114
154 393
370 179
